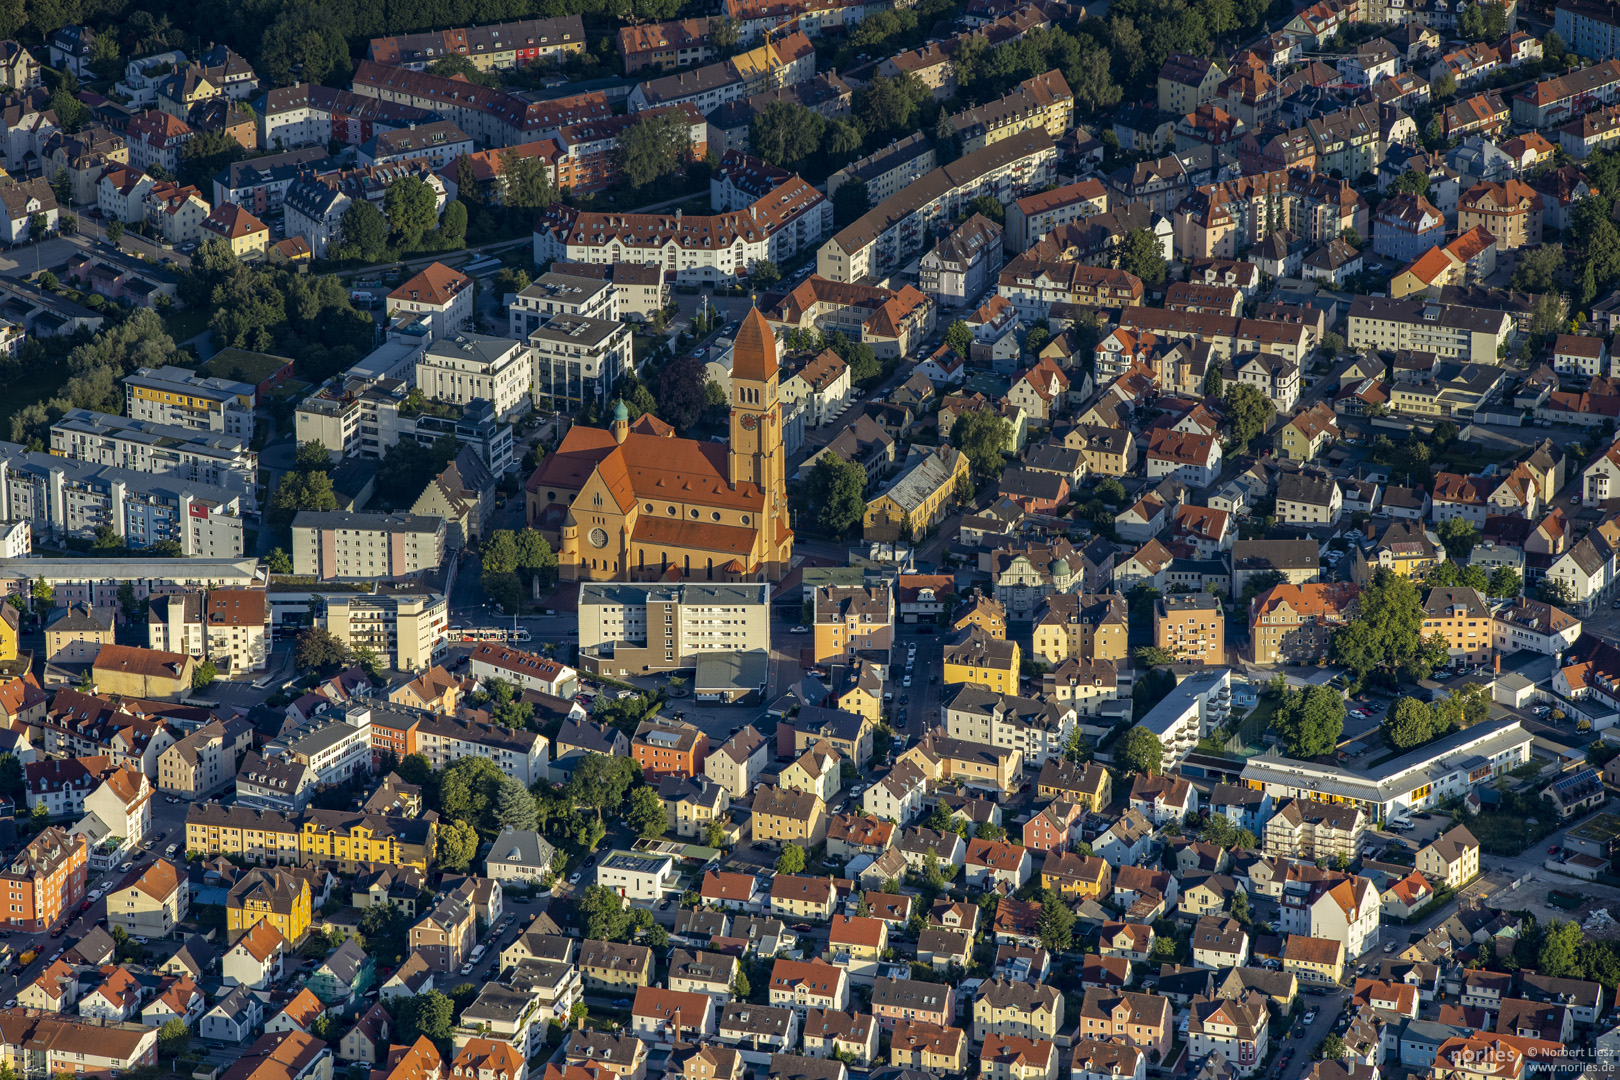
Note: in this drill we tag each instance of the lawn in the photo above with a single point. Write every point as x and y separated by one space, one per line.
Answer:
185 325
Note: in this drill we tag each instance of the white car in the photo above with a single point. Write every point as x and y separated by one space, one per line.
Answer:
466 969
906 681
573 879
799 630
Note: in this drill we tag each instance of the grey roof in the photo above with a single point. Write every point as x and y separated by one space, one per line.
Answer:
520 847
580 330
485 349
359 522
731 670
345 961
1275 555
696 593
1393 778
1452 316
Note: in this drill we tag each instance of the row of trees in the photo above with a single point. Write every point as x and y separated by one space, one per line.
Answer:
1411 722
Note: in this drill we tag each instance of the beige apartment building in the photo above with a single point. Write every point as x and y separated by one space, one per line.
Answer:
850 619
199 764
629 628
787 816
1510 211
1450 331
336 545
1191 627
407 630
1294 624
153 904
608 965
1081 626
445 935
1310 829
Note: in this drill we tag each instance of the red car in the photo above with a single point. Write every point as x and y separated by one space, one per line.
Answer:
1555 849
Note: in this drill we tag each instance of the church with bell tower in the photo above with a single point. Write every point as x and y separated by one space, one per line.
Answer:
633 502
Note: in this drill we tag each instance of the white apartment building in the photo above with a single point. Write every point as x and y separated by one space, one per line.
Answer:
339 544
335 750
407 630
466 367
202 457
178 396
1199 703
553 294
691 248
631 628
577 358
522 755
1451 332
229 627
892 232
1039 730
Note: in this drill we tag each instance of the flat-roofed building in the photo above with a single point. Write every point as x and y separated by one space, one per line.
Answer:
335 545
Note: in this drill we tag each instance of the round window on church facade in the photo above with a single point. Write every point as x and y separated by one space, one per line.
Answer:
599 538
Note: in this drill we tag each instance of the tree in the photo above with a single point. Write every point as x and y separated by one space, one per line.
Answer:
1153 656
834 494
514 807
115 231
430 1016
1055 924
1443 87
791 859
1410 182
959 336
174 1038
740 989
455 846
205 153
411 208
1248 412
646 814
467 792
500 551
71 113
1387 632
1410 724
1459 536
301 491
1505 582
1310 721
601 782
1139 751
984 436
525 182
1141 253
1537 268
1559 948
203 675
850 201
1213 382
364 231
1555 591
989 206
714 835
318 650
681 390
453 222
763 274
786 133
455 65
1239 907
1331 1048
654 147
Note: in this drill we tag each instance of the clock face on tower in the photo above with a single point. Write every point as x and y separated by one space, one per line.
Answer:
749 421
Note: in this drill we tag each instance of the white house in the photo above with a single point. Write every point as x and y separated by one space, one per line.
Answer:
823 385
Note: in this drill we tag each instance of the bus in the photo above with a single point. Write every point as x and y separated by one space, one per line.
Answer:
491 633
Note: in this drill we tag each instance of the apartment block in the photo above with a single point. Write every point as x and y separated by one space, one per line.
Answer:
334 545
180 397
217 460
1191 627
465 367
631 629
1451 332
406 630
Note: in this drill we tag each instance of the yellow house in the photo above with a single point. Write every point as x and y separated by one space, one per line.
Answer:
862 939
269 895
784 816
1313 960
987 614
248 237
607 965
1086 626
10 624
344 840
976 657
1307 434
1452 858
691 802
920 497
1076 876
803 897
1089 785
1404 549
920 1045
258 836
131 671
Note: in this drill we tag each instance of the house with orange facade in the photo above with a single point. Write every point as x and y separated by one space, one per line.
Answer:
45 880
669 748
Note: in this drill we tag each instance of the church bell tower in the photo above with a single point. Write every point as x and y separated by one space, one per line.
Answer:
756 409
